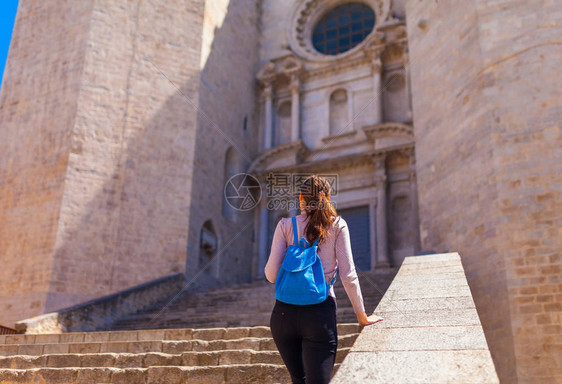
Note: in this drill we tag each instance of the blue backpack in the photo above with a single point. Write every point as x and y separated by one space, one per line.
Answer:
301 278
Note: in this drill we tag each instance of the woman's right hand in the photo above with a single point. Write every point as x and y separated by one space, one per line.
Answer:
363 319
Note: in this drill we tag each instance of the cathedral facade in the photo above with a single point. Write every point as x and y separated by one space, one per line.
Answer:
145 138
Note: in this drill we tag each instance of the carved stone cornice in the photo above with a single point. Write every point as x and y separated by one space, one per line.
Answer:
288 66
267 73
291 153
336 66
375 46
338 138
313 162
389 129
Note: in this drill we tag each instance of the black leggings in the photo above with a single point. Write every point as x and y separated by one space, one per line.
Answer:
307 339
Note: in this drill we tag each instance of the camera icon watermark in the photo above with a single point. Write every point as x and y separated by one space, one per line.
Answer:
243 191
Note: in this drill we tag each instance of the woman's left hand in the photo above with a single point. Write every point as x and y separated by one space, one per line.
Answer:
363 319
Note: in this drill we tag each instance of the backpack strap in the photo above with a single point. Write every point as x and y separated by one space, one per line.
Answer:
296 237
334 279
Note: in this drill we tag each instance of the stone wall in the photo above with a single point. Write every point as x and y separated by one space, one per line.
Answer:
486 93
99 138
226 123
40 89
125 210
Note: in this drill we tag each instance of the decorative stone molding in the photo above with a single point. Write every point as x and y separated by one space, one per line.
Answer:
337 66
289 65
290 154
267 73
341 138
308 12
390 129
375 46
318 161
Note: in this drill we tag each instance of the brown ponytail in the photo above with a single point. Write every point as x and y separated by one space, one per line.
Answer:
320 212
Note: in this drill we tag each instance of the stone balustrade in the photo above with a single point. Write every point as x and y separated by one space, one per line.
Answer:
100 313
431 332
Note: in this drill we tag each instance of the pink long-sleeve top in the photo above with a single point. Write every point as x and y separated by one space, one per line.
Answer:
334 251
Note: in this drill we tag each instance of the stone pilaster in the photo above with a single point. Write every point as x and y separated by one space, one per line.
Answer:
414 200
295 87
383 259
406 64
374 51
268 128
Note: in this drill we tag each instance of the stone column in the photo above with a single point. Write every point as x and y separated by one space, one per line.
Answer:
406 64
373 51
414 200
268 129
377 89
263 232
383 259
295 108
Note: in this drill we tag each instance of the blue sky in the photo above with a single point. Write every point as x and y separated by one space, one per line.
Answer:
7 16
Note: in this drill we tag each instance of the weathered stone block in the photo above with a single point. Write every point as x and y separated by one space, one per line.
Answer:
114 346
161 375
98 360
208 334
260 332
178 334
144 346
174 347
246 343
211 375
30 349
128 360
61 361
55 348
95 337
94 375
417 367
127 376
266 357
236 333
85 348
234 357
55 376
123 336
153 359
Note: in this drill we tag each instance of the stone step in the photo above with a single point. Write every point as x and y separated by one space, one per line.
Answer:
229 374
243 305
145 360
208 317
207 334
257 373
164 346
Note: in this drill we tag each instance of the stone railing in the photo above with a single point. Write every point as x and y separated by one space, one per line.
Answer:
6 330
431 332
102 312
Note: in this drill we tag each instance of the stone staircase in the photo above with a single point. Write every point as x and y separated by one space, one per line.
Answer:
171 356
214 336
243 305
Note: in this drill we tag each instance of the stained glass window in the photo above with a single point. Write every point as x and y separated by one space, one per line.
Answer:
343 28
